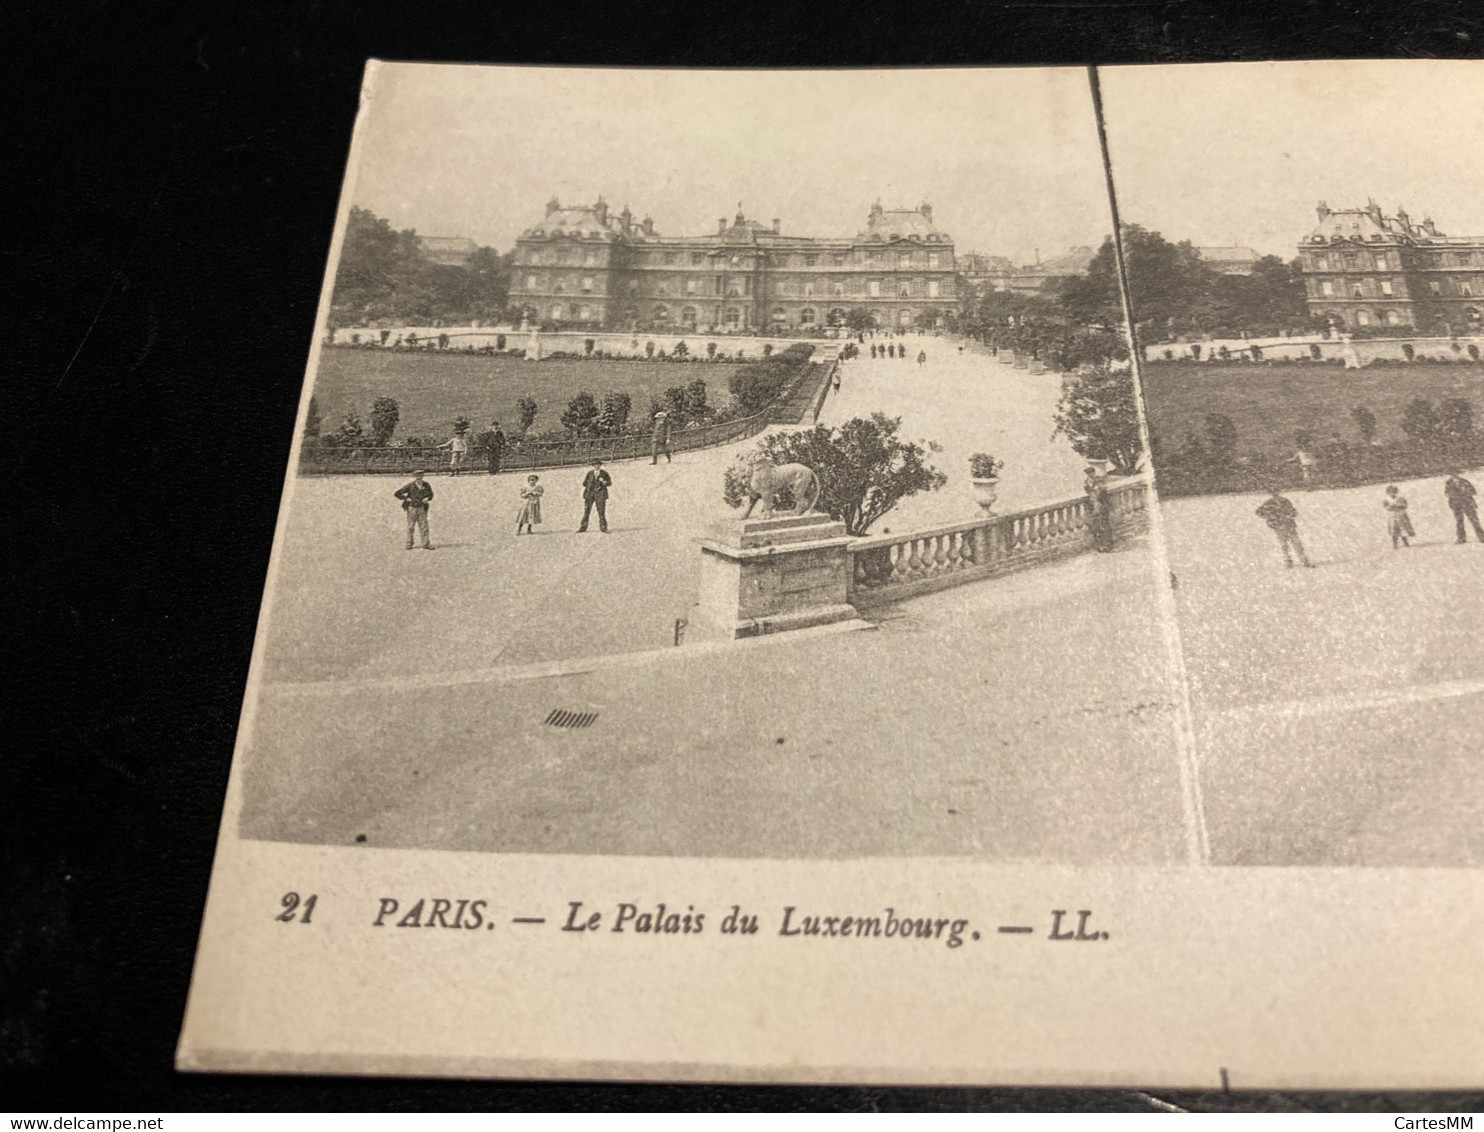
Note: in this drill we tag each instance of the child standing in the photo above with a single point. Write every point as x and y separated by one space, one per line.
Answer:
1397 522
530 506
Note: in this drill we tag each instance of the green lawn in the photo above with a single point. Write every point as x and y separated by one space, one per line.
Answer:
433 389
1268 403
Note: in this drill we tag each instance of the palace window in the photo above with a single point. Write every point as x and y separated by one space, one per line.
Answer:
669 258
733 316
1357 291
1472 314
633 286
875 288
806 316
1321 263
1386 286
661 314
662 289
688 316
932 261
590 258
808 290
1393 318
811 261
1327 288
839 261
697 259
690 286
1362 318
1383 262
905 290
904 260
932 288
1466 289
587 283
556 312
1435 287
530 282
585 312
838 287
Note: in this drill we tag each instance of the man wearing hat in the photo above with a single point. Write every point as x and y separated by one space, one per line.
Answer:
1460 494
595 487
415 497
660 442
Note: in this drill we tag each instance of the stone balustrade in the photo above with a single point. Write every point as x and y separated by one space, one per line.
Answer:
889 567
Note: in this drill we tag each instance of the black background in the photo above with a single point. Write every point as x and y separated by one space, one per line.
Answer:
178 168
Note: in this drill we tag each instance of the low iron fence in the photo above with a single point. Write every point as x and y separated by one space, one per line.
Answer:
529 454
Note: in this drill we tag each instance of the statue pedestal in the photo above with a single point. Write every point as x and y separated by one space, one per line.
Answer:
762 576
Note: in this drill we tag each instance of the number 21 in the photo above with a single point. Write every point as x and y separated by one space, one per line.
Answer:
290 904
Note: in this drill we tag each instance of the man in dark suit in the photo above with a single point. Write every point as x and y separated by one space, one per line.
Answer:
415 498
595 487
1460 494
494 447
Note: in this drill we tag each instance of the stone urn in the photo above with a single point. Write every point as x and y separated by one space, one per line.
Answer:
986 491
1102 466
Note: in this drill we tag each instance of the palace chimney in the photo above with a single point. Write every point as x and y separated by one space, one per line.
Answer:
1323 211
600 210
927 212
777 226
553 205
648 225
721 225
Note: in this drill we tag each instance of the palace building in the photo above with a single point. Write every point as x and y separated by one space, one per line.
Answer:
586 266
1362 269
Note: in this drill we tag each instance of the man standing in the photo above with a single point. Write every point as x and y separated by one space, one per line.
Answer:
1099 510
595 487
494 446
1282 517
660 440
1462 502
415 498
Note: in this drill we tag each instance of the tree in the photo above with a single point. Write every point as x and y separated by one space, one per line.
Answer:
858 318
1420 420
1098 414
1365 423
581 417
461 425
864 469
1165 283
1456 419
694 404
711 349
384 413
525 414
1221 440
674 404
615 412
382 273
351 432
311 419
681 349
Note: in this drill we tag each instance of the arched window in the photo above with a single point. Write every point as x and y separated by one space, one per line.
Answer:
688 317
806 316
904 317
1362 318
837 316
661 314
1393 318
732 317
1472 314
778 315
556 312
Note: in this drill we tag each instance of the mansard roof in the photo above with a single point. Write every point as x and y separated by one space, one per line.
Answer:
582 221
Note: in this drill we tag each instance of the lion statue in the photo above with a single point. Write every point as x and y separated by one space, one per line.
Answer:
769 480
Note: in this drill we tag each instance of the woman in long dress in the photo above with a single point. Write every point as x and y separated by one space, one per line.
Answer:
1398 524
530 506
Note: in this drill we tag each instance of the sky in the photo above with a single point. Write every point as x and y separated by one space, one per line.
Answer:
1240 154
1008 158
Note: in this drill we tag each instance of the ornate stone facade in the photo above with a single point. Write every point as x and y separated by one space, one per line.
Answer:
1364 269
585 266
